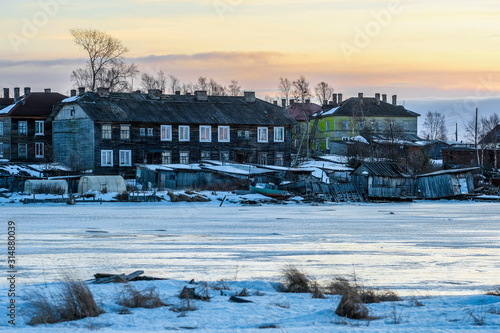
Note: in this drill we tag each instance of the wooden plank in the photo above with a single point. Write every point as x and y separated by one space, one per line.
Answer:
133 275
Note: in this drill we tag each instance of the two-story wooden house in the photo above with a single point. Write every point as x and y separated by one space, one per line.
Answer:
111 132
25 134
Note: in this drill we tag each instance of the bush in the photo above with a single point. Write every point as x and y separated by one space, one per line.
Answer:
75 302
295 280
148 298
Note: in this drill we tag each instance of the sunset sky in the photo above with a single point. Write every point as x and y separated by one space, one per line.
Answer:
415 49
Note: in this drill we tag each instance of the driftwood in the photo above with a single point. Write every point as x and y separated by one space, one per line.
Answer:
101 278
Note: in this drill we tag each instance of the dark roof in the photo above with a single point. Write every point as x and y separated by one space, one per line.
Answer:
385 169
181 109
5 102
35 104
369 107
449 171
299 110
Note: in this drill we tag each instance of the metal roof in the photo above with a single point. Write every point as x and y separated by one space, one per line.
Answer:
369 107
385 169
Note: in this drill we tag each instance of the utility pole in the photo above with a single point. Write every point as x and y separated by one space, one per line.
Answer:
456 132
475 139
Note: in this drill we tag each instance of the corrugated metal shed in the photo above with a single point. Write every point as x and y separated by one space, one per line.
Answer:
446 183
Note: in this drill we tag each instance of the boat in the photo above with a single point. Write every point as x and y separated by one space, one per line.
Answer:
270 190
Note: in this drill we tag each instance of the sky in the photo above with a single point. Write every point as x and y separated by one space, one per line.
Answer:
435 55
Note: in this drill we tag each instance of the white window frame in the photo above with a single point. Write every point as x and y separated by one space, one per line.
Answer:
1 128
166 157
124 132
150 132
262 134
25 145
279 157
24 125
205 133
184 159
277 132
327 126
224 133
106 158
107 131
1 149
125 158
142 131
39 150
184 133
328 143
166 132
39 127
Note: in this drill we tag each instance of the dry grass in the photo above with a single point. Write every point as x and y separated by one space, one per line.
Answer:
74 302
148 298
494 292
316 290
295 280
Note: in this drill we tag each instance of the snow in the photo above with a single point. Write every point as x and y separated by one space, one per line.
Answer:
70 99
237 169
445 254
7 109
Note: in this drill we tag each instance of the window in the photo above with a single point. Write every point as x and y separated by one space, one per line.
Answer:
328 143
205 133
22 150
106 132
125 132
166 157
263 158
297 143
205 155
380 126
327 126
106 158
183 133
224 156
150 132
166 132
361 125
224 133
39 151
316 144
125 157
184 157
279 159
345 125
372 125
407 125
39 126
23 128
279 134
1 128
142 132
262 134
1 149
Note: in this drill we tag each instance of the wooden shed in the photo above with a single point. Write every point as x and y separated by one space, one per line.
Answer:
446 183
383 180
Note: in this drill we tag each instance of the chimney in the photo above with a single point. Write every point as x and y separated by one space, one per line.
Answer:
275 103
16 94
6 93
73 92
394 99
384 98
81 91
360 95
308 101
48 90
177 92
188 94
325 102
283 103
154 93
103 92
249 96
292 101
334 96
201 95
377 98
27 91
340 98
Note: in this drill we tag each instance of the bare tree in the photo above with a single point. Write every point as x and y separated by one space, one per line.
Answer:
323 92
301 89
152 82
393 134
105 52
285 86
174 83
115 77
187 88
216 89
202 83
434 126
234 89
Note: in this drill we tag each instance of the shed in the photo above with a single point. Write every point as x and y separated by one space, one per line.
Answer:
383 180
38 186
102 184
446 183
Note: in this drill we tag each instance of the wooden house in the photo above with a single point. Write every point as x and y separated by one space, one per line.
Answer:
383 180
446 183
25 134
112 132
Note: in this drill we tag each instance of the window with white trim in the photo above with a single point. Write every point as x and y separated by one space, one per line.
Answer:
125 157
23 128
361 125
22 150
262 134
1 149
1 128
279 159
224 133
106 132
39 127
279 134
142 131
166 157
345 125
125 132
328 143
205 133
39 150
166 132
262 158
184 133
106 158
327 126
184 157
150 132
